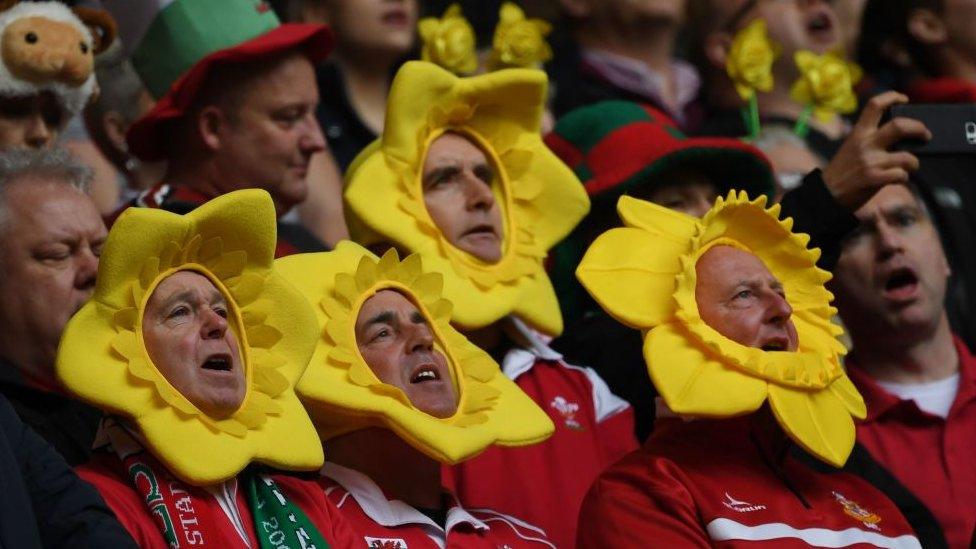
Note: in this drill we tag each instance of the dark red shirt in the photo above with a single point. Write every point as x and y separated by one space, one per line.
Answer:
934 458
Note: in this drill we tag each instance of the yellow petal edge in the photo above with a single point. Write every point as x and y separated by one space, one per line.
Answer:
541 198
341 392
699 372
103 360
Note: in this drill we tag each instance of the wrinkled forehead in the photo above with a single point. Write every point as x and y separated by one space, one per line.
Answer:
452 147
726 265
184 284
889 199
386 301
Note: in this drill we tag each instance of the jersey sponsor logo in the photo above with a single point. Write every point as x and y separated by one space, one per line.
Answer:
568 410
740 506
385 543
852 509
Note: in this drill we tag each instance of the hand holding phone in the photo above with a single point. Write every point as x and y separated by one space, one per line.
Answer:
866 160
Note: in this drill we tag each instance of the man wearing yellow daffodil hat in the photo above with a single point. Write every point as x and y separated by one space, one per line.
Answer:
395 391
739 343
192 343
466 183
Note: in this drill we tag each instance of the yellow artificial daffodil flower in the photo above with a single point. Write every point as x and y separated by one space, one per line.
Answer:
343 394
750 60
103 359
645 276
519 42
826 82
541 199
449 41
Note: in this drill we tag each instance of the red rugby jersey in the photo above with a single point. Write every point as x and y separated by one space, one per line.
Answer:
545 483
720 483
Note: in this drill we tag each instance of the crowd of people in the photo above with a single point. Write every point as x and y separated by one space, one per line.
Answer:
550 273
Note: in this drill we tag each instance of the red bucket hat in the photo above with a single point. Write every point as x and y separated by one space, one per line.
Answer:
187 39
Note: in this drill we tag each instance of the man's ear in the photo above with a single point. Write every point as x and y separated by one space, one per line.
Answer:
113 124
577 9
211 124
716 48
927 27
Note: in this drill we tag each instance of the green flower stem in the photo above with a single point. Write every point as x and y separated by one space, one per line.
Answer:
754 128
802 127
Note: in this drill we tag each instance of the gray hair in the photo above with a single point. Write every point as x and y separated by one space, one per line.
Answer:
775 134
53 164
58 164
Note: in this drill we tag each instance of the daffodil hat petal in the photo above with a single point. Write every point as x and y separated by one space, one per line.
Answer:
103 360
644 274
343 394
541 199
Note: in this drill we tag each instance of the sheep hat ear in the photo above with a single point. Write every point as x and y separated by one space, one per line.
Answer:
34 33
100 24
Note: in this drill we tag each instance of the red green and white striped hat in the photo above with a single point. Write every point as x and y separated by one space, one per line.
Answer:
174 45
614 146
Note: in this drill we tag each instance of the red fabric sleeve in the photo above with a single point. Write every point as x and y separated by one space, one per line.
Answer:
625 508
616 435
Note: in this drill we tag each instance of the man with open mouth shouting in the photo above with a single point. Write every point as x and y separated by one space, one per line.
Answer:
192 344
395 392
917 377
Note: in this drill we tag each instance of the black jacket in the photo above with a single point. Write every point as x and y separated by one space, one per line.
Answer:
67 424
44 503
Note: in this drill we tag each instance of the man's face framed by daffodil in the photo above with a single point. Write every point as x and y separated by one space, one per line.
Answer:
463 197
739 298
396 340
191 336
389 357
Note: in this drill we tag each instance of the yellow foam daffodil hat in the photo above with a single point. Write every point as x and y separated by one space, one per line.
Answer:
541 199
103 359
343 394
643 274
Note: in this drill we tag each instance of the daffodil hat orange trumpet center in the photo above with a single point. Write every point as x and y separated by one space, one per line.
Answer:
103 358
644 275
343 394
540 198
